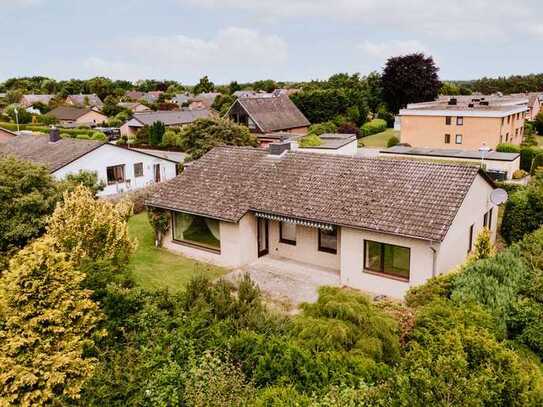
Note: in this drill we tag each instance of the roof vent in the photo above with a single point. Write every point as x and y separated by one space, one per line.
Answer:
54 135
453 101
277 149
470 105
484 103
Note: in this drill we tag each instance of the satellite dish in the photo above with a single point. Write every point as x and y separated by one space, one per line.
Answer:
498 196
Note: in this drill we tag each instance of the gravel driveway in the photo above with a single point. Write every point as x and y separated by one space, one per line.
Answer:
287 279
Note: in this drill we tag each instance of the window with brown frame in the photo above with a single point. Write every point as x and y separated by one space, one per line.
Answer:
115 174
448 120
138 170
328 241
287 233
459 121
458 139
447 138
387 259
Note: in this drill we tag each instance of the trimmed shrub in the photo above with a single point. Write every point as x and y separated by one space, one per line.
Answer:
537 162
392 141
523 211
507 148
527 156
373 127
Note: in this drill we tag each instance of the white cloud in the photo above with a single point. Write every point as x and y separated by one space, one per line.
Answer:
233 53
474 19
383 50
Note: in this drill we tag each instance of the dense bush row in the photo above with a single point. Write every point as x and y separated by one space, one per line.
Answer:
531 157
523 210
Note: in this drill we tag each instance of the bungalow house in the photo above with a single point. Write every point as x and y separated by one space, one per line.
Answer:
6 135
120 169
170 118
269 115
135 107
29 100
384 225
85 116
91 100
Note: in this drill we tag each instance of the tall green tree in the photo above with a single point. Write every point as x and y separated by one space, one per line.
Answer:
204 86
28 195
203 134
156 132
409 79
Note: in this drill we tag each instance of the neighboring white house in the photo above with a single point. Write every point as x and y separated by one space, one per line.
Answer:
500 166
120 169
384 225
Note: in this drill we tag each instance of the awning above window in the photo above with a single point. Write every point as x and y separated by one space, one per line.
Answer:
308 223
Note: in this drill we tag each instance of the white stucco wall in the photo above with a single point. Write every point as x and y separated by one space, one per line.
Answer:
453 250
108 155
306 249
238 244
352 263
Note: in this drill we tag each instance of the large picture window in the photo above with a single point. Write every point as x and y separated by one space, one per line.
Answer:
287 233
196 230
328 241
387 259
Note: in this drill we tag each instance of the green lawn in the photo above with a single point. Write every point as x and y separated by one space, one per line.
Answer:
379 139
155 268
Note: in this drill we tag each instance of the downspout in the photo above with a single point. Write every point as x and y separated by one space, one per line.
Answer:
434 259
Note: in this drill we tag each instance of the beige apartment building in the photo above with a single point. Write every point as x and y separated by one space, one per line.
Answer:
465 126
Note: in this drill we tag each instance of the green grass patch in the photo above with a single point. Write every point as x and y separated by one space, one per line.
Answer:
379 139
157 268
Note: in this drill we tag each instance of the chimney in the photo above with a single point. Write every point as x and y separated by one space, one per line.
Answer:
54 135
453 101
277 149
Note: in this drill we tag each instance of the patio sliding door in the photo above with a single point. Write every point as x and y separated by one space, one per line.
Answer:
262 236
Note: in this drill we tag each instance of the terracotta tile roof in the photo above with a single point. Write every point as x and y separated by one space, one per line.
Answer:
273 114
410 198
38 149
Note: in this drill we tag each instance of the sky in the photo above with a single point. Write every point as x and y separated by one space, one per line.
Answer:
247 40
